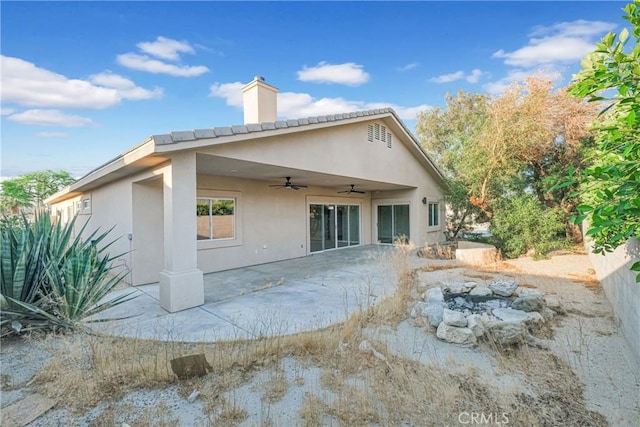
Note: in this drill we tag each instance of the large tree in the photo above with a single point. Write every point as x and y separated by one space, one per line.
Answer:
509 144
611 185
30 190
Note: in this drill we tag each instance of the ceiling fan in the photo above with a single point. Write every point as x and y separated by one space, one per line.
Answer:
352 190
289 185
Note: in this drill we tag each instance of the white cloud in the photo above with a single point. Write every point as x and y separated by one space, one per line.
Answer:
49 118
563 42
473 77
296 104
231 92
150 65
26 84
166 48
52 134
408 67
349 73
578 28
125 87
448 78
6 111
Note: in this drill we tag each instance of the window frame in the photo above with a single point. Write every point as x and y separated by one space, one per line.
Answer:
430 224
237 240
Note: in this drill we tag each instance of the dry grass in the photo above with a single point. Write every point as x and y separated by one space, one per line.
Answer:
275 388
355 388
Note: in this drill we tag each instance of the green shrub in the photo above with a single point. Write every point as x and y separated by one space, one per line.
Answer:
50 280
521 223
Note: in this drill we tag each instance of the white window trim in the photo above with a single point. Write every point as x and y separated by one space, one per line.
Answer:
330 200
227 242
374 223
439 204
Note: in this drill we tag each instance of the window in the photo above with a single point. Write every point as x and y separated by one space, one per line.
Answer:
86 204
333 226
216 218
393 223
434 214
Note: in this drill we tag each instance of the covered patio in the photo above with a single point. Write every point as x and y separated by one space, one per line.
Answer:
278 298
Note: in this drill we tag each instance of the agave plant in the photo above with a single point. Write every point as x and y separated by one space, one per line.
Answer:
51 280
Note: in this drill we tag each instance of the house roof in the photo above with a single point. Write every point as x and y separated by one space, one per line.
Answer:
141 155
191 135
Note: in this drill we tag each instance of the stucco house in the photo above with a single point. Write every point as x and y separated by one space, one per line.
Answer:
206 200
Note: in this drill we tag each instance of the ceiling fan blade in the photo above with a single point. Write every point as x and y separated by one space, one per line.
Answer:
359 192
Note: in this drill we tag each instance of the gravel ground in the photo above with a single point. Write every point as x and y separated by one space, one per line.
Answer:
587 338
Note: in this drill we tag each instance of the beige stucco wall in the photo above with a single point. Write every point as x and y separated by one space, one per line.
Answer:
271 224
619 284
111 205
345 151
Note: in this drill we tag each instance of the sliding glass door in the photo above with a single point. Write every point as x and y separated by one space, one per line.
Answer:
333 226
393 223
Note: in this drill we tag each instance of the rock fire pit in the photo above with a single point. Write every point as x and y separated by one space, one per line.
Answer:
464 312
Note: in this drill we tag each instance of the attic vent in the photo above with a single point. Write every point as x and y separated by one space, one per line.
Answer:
378 132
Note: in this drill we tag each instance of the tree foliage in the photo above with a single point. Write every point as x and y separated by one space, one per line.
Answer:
499 147
611 184
522 223
30 190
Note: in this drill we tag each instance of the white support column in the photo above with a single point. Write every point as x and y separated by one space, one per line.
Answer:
181 282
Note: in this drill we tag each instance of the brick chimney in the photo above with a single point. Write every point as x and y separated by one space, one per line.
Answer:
260 101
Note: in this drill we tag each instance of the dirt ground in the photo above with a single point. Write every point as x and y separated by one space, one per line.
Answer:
585 374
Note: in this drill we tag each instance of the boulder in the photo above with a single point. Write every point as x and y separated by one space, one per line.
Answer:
459 287
504 288
456 335
453 318
510 315
481 291
194 365
535 317
508 333
476 324
434 295
434 314
531 302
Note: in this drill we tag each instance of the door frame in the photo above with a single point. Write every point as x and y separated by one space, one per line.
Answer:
374 215
335 201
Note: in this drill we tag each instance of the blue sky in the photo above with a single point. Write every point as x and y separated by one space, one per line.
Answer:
84 81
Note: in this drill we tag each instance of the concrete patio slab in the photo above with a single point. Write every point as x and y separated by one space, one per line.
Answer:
279 298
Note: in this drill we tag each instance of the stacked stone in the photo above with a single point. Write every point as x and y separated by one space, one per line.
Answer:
507 325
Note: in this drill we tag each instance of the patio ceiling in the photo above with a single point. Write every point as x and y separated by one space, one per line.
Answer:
223 166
